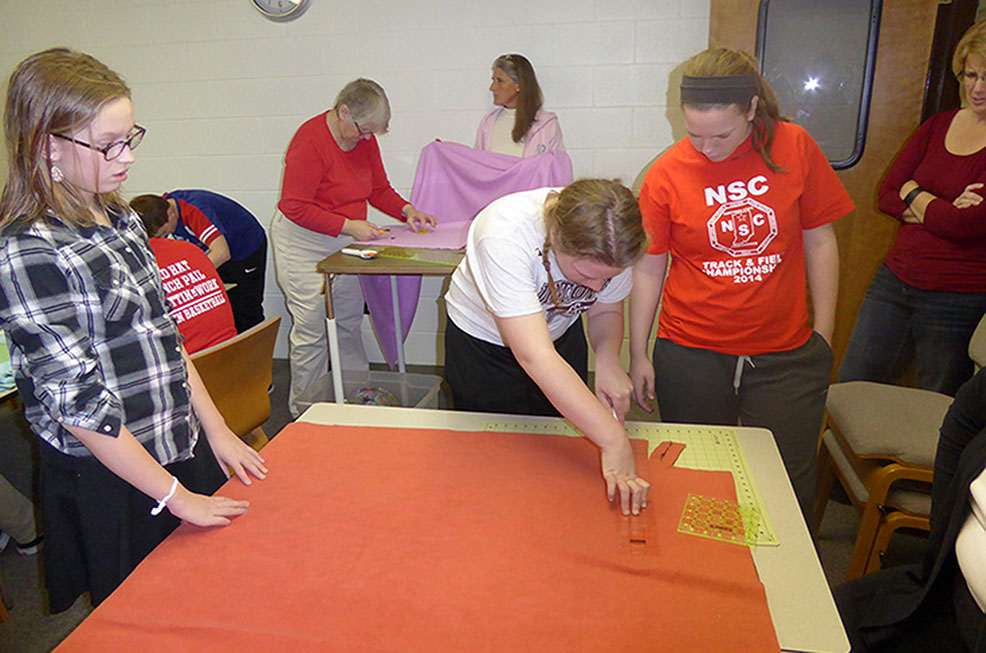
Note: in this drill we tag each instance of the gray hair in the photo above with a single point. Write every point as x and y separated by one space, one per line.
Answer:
366 101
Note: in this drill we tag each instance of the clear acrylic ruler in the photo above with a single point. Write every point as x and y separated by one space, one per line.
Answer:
707 448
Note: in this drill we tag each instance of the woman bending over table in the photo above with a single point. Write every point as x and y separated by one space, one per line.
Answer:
514 343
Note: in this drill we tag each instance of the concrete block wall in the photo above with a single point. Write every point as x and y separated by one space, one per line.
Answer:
221 89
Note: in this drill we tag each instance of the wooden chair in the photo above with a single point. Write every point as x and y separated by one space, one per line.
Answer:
237 374
880 441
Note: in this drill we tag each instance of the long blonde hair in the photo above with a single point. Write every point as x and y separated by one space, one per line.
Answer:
56 91
597 219
723 62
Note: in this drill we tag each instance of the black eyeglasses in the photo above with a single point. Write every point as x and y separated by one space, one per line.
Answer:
113 150
360 129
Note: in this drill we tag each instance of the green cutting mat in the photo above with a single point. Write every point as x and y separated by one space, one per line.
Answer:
708 448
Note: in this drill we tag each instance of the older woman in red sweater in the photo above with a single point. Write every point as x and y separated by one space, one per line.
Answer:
332 169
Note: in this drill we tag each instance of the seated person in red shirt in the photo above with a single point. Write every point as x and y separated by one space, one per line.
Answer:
227 232
199 304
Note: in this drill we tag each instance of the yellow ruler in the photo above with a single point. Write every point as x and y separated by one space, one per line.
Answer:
709 448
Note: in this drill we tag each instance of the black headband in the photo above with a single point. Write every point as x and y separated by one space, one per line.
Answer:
732 89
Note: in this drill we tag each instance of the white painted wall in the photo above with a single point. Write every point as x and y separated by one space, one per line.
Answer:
221 90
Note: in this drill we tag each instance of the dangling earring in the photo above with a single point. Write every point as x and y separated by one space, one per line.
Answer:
56 174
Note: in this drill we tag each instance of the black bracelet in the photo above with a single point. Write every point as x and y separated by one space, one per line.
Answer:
917 190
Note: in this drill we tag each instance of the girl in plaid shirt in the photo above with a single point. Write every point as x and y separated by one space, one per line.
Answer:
100 367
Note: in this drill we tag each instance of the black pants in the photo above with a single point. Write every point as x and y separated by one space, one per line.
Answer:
98 527
247 297
783 391
487 378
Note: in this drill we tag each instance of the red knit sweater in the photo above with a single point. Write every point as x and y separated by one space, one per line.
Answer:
324 186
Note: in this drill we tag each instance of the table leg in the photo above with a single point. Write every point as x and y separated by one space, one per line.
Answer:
335 362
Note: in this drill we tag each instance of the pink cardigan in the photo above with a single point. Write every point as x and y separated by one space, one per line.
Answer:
543 136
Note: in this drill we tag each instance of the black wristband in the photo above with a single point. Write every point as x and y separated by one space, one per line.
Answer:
914 193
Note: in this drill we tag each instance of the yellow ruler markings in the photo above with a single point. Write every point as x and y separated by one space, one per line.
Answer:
706 448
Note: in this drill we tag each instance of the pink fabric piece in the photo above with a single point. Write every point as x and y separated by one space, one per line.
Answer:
453 183
446 235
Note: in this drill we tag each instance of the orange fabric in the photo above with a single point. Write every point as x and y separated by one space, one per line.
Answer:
734 229
401 539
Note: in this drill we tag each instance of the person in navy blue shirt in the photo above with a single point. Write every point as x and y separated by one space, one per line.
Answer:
228 233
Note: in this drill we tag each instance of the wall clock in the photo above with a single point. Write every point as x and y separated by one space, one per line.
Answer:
281 10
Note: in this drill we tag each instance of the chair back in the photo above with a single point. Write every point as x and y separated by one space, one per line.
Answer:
237 374
977 344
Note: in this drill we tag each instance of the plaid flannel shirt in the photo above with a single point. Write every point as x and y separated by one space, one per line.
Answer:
91 342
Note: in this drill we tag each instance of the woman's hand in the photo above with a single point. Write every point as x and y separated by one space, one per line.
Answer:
202 510
968 198
613 387
233 452
642 376
416 219
620 474
908 217
361 229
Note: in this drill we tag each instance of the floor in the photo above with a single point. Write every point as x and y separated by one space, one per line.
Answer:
31 629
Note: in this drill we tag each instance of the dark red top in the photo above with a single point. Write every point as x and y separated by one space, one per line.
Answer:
948 251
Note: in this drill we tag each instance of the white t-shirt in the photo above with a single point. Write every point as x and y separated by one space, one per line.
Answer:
970 545
502 140
503 274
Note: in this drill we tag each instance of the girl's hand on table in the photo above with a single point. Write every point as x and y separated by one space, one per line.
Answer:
620 474
202 510
230 451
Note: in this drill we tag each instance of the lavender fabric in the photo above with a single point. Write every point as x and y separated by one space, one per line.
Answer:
453 183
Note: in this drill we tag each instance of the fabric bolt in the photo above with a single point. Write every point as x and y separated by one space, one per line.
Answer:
734 230
503 273
898 322
542 137
487 378
477 541
199 305
90 338
297 252
453 183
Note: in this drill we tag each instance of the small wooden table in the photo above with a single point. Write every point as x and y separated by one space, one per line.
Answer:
392 261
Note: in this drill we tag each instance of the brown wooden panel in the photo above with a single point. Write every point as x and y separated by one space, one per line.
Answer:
904 50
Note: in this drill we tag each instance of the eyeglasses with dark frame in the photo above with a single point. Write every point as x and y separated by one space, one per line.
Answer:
360 129
115 149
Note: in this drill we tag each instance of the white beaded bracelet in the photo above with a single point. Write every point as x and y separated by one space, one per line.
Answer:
156 510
